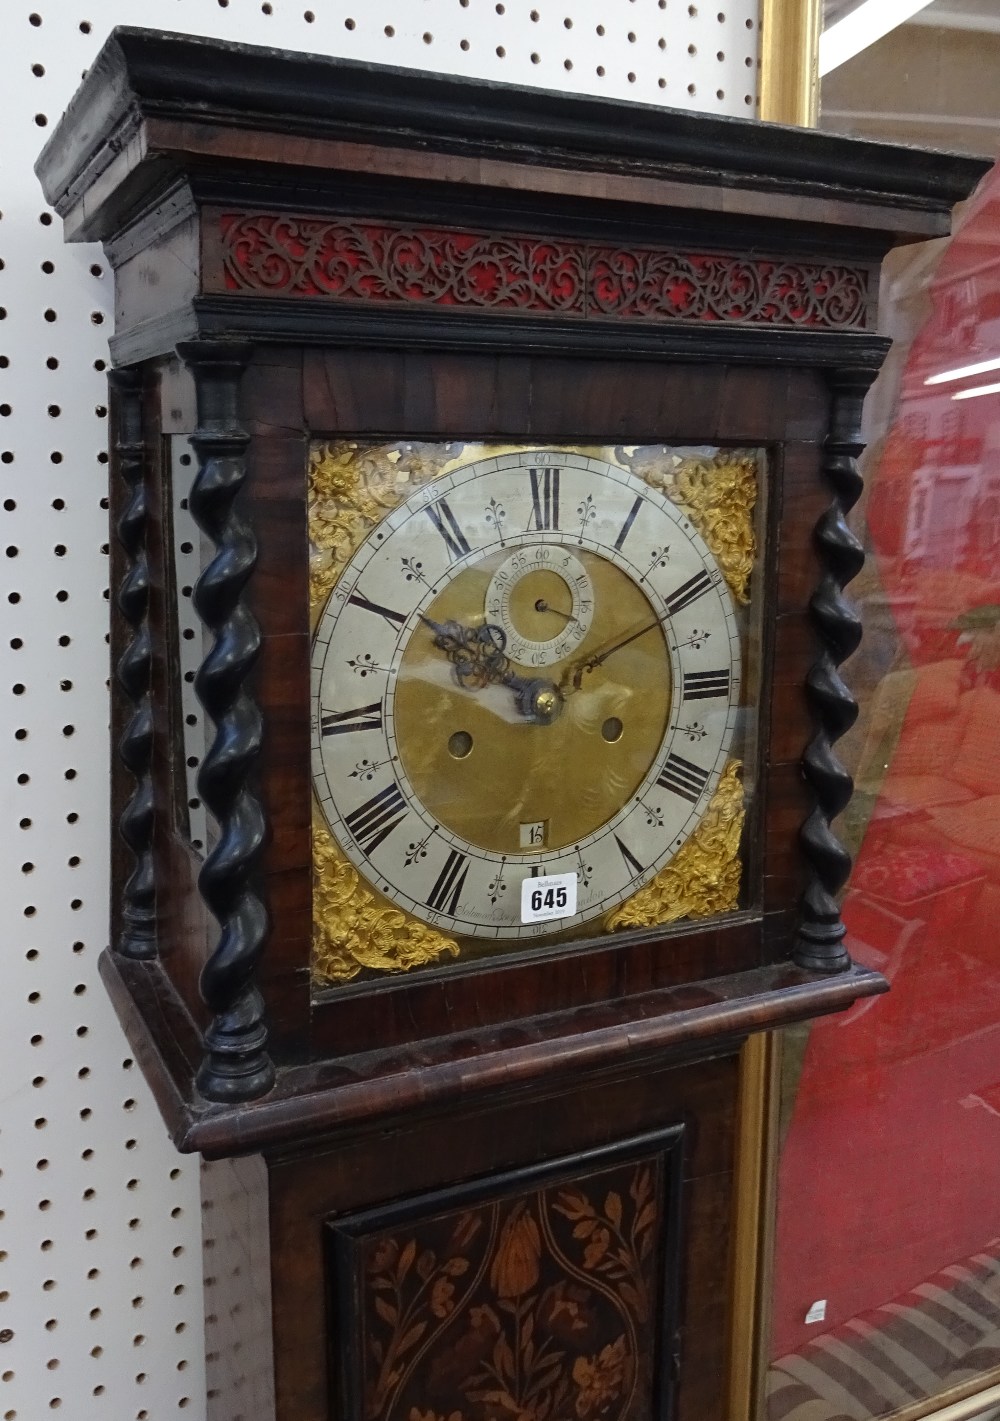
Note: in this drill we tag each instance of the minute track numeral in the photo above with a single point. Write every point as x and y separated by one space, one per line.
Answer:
374 821
705 685
681 777
447 890
689 592
394 619
545 497
363 718
444 521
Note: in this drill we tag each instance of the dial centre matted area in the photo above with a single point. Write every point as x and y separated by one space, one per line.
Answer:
566 773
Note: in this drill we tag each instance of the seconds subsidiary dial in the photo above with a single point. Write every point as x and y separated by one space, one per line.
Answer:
529 668
541 588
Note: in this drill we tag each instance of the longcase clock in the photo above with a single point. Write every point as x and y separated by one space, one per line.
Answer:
481 468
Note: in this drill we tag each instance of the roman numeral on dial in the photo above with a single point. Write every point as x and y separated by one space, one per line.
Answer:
705 685
633 512
444 521
363 718
681 777
394 619
688 592
375 820
545 497
631 862
447 890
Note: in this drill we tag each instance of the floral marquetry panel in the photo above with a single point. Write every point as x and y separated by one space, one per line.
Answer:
546 1297
528 663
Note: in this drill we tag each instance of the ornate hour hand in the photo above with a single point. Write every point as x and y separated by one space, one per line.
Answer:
574 674
477 655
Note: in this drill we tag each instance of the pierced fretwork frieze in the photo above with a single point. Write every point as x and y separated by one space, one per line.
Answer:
376 263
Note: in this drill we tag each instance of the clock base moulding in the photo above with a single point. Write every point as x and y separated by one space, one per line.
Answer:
506 1182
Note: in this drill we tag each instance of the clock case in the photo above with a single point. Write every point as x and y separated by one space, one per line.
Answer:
303 248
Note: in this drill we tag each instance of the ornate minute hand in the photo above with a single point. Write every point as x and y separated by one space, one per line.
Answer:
576 675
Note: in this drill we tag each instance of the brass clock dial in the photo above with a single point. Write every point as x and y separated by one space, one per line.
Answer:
530 667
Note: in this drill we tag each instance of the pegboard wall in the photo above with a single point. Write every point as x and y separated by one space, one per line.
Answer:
101 1312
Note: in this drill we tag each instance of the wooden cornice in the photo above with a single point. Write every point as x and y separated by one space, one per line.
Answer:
153 102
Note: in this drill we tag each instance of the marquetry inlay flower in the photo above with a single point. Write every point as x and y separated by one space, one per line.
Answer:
515 1267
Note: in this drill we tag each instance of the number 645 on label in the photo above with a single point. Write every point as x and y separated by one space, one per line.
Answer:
553 896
